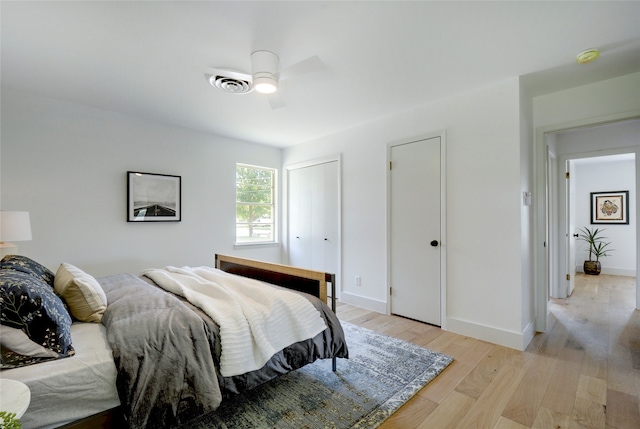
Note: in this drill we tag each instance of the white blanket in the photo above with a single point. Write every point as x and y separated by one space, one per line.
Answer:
255 321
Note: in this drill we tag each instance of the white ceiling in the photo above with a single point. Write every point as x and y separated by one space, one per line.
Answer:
148 58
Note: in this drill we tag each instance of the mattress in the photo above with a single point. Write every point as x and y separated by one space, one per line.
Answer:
65 390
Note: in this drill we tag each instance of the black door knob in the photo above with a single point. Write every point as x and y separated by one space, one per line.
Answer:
576 235
434 243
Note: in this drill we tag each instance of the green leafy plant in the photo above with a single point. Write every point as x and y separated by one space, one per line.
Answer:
9 421
597 246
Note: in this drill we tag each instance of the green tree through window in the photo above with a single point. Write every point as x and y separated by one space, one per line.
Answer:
254 204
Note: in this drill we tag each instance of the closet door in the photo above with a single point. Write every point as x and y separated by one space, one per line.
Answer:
299 215
325 208
314 217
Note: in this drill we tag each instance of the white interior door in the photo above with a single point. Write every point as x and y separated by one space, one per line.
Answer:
571 230
330 233
415 230
299 218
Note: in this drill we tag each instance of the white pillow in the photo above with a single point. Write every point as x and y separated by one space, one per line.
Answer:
82 293
19 342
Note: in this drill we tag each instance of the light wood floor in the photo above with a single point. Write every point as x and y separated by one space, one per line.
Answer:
583 373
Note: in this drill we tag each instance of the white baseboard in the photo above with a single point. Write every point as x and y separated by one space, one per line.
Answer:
628 272
364 302
511 339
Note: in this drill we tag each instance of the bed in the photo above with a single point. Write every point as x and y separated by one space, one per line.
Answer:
116 375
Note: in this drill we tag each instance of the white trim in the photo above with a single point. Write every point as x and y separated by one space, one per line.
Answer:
312 162
511 339
364 302
262 244
443 220
285 221
611 271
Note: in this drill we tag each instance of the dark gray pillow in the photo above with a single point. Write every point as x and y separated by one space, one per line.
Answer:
31 305
28 266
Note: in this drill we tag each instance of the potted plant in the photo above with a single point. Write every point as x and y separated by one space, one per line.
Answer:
597 247
9 420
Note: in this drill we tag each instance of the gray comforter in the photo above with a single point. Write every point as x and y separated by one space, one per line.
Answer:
167 351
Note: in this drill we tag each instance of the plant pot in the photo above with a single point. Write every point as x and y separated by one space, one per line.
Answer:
591 267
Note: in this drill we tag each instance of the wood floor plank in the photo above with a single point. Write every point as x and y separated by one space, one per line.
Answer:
450 411
623 410
561 391
588 414
463 346
595 361
477 381
619 375
487 409
524 404
504 423
592 388
411 414
442 386
547 419
556 339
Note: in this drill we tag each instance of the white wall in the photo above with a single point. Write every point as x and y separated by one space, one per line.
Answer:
66 164
587 103
483 246
605 176
526 216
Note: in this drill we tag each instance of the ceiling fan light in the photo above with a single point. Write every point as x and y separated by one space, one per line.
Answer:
265 84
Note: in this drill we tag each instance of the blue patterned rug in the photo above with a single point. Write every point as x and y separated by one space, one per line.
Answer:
381 374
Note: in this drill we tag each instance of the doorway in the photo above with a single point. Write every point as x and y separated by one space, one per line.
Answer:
416 229
587 175
554 221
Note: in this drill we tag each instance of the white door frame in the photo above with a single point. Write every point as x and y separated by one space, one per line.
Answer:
317 161
443 221
541 260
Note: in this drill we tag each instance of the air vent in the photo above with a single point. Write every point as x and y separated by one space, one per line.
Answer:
230 84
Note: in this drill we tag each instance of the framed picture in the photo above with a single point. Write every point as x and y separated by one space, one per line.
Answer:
153 197
610 207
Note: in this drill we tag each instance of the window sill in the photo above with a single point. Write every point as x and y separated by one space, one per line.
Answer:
254 245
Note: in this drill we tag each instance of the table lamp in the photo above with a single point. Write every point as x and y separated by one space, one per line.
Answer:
14 226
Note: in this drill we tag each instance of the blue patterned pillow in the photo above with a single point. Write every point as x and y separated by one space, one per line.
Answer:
32 306
29 266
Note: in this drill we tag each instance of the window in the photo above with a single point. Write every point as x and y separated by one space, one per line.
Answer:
255 206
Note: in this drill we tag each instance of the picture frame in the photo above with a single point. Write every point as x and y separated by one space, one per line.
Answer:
610 207
153 197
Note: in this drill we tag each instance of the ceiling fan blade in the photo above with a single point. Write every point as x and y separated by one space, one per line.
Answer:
276 101
310 65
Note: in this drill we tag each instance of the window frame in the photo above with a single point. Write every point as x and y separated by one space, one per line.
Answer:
273 240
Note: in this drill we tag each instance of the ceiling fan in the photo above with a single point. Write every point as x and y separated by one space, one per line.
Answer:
265 76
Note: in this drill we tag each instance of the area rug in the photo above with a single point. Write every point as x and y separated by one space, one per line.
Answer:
381 374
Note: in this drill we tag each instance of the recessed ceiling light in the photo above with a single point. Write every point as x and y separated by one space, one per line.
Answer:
587 56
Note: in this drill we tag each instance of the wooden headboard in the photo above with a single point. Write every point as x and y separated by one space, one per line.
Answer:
299 279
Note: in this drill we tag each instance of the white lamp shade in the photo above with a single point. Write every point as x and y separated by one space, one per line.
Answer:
15 226
265 84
